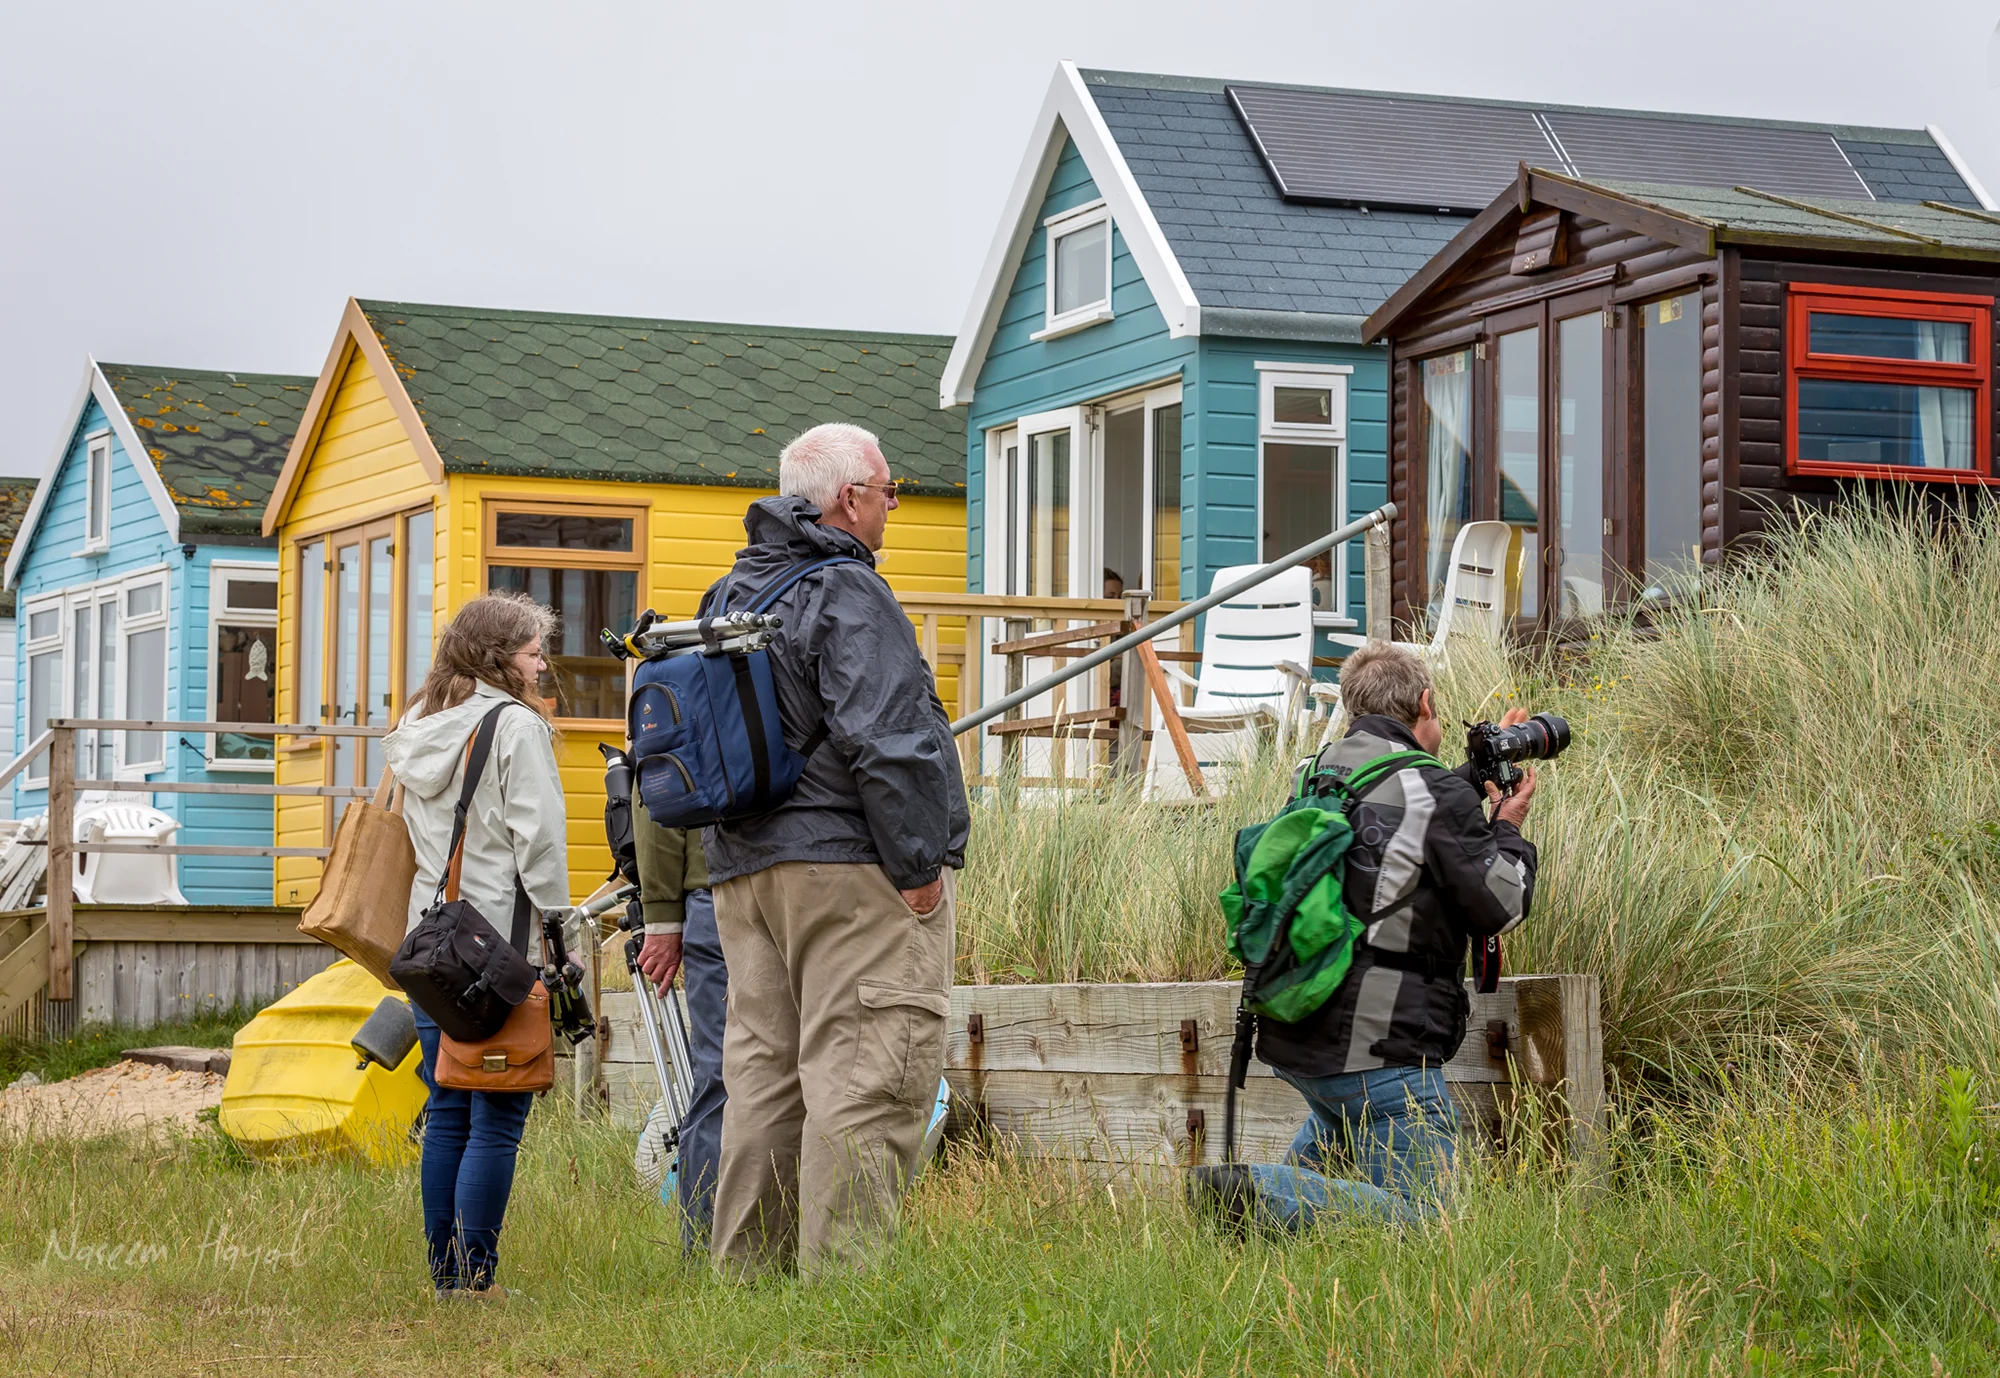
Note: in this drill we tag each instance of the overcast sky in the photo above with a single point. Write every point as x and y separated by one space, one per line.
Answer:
204 185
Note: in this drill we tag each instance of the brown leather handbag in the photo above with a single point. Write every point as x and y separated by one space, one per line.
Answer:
521 1057
363 904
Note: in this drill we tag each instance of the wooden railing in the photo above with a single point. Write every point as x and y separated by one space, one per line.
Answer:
1016 630
64 785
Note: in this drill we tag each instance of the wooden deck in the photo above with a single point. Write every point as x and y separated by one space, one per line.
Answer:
139 965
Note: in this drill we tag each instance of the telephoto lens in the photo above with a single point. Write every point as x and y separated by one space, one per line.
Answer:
1538 739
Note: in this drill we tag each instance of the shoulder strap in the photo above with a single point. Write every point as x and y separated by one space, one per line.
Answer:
775 590
1368 774
476 751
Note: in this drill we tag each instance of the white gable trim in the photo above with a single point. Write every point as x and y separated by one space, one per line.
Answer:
94 384
1067 111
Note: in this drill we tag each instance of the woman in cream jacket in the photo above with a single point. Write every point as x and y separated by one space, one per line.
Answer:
514 843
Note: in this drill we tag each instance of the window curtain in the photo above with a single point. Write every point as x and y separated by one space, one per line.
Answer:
1944 415
1448 471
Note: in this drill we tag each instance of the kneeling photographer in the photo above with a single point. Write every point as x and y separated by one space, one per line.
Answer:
1426 872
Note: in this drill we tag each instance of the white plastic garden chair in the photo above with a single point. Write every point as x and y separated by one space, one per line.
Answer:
1256 658
126 877
1474 604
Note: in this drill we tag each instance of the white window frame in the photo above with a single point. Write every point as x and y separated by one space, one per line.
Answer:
1271 376
30 648
127 626
220 574
1156 398
1055 229
94 444
1081 509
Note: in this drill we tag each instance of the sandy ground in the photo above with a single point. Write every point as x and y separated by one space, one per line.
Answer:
127 1095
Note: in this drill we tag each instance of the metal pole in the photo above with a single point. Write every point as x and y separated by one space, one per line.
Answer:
1187 613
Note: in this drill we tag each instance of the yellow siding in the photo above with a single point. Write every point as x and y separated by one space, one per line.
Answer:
362 465
693 534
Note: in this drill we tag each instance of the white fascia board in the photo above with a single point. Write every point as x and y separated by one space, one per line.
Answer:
1958 163
51 474
1067 110
135 453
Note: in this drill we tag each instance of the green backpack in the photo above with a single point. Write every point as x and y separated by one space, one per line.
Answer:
1288 923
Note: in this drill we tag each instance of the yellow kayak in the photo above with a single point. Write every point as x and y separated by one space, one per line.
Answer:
293 1087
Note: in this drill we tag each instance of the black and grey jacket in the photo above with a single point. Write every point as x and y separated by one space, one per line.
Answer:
885 786
1427 872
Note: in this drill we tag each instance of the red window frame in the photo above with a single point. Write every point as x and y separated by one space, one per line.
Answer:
1976 375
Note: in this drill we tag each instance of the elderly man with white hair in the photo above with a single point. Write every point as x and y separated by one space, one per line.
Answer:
836 908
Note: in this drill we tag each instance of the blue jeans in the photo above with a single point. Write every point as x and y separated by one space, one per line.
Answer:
470 1138
1398 1127
706 977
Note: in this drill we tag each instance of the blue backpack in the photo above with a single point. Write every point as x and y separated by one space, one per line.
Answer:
706 733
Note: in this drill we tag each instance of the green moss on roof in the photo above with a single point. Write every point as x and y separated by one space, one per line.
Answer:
653 401
217 439
15 495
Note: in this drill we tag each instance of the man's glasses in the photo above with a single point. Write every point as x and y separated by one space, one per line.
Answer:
889 488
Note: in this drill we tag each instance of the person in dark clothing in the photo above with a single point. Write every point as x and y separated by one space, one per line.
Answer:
1428 872
836 909
679 910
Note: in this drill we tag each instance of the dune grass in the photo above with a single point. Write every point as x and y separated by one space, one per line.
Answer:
1776 1231
1778 826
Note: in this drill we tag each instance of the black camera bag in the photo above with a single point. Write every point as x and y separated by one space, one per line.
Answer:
454 965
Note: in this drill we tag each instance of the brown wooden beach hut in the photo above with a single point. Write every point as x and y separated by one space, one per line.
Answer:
1636 376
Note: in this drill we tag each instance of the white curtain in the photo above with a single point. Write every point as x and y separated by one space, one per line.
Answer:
1448 405
1944 415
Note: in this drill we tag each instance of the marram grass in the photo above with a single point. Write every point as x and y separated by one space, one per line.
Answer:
1778 826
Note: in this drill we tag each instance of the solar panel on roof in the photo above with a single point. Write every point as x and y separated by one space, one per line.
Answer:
1351 148
1387 150
1791 162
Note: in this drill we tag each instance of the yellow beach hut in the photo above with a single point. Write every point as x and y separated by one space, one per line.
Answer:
601 463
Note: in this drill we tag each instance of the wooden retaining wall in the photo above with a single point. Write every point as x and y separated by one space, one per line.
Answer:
1134 1074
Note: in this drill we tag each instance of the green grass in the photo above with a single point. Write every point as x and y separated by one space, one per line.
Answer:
99 1045
1809 1233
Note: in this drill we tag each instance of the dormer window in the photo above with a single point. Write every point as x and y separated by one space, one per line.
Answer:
1079 269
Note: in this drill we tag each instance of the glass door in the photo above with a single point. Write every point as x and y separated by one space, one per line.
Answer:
358 646
1583 514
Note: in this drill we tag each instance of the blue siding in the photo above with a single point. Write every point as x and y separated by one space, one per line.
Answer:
139 540
1021 375
1227 478
1219 398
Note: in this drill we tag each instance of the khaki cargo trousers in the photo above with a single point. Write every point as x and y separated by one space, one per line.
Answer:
837 1002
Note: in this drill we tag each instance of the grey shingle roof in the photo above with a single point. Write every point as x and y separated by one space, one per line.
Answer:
217 439
622 398
1243 247
1838 222
1255 260
1913 171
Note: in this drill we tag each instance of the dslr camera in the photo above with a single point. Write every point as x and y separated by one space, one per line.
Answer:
1493 750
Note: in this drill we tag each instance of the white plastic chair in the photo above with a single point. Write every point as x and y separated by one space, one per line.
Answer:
1474 604
1256 658
126 877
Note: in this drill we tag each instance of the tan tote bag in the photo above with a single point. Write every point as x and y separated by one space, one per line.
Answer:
363 904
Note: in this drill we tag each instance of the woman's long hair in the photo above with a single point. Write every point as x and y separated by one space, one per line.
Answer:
479 644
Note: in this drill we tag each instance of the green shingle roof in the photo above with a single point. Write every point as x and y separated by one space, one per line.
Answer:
621 398
1747 215
217 439
15 495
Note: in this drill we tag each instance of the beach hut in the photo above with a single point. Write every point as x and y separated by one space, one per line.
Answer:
15 495
601 463
147 590
1639 375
